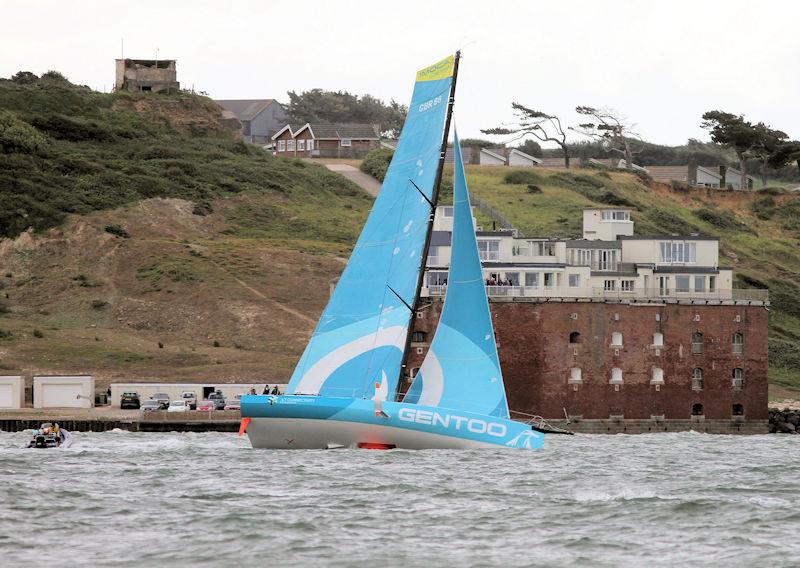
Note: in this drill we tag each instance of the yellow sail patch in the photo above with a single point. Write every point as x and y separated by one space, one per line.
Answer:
441 70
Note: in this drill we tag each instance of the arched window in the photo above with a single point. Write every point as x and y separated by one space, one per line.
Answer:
575 337
697 409
575 376
658 339
738 410
738 343
697 343
419 337
616 376
657 376
738 379
616 339
697 379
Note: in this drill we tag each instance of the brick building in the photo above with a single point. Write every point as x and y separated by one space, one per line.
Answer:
326 140
669 345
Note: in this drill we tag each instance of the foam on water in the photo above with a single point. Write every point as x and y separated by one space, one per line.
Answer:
132 499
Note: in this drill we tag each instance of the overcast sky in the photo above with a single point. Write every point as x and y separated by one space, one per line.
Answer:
660 63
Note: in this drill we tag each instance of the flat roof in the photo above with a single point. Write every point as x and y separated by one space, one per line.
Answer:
666 237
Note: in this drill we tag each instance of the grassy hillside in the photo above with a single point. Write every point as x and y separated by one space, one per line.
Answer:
161 247
760 232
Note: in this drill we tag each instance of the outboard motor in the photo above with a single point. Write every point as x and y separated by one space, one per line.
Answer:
40 441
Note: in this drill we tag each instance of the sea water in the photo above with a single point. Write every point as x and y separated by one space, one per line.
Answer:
186 499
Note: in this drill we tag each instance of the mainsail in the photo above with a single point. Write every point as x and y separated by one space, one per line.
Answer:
461 369
360 337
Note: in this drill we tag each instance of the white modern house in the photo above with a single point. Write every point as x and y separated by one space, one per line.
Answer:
609 262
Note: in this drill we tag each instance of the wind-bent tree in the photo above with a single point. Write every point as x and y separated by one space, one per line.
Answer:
612 130
768 143
734 132
545 127
786 153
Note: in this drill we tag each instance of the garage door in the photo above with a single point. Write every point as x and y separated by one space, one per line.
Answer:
7 396
57 396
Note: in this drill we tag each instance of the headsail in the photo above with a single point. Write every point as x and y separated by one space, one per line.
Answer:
360 338
461 369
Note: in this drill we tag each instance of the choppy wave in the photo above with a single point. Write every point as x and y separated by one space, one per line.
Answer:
192 499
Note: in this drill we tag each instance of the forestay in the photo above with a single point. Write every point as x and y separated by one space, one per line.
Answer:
461 369
360 337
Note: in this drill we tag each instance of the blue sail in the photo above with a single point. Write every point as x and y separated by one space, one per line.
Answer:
360 337
461 369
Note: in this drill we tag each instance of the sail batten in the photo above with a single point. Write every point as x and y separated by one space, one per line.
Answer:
361 336
461 369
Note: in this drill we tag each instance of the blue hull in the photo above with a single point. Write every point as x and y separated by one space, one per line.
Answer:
317 422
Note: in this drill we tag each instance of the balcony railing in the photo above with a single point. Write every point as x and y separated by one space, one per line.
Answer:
739 295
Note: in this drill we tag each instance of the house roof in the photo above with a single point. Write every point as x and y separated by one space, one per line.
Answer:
245 109
667 173
338 131
736 172
712 173
524 155
493 154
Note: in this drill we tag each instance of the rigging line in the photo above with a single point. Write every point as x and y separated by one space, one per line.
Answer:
410 309
421 193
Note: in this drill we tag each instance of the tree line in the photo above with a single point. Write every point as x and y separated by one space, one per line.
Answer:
606 131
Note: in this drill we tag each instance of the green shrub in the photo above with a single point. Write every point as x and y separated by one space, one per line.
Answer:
118 231
771 190
522 177
18 136
64 127
202 208
377 162
534 189
678 185
724 220
763 208
5 334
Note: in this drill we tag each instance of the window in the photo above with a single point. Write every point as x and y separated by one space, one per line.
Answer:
532 279
581 257
290 145
309 144
346 142
418 337
737 410
574 280
699 283
697 343
574 376
489 250
575 337
513 278
437 278
447 211
616 215
607 259
657 377
609 285
697 409
738 379
658 339
626 285
616 339
682 284
663 285
301 145
697 379
616 376
738 343
549 279
712 283
677 252
281 145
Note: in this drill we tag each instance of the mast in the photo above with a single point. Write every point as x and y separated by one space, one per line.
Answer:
434 200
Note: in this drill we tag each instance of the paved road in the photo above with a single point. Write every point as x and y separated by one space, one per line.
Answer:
364 181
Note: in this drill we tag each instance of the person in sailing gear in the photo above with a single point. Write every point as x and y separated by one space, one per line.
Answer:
266 389
275 390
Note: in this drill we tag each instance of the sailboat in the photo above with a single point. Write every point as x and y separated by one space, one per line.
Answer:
343 392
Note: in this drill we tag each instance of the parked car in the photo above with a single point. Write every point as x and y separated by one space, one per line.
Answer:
190 398
130 400
233 404
178 406
219 400
205 405
151 404
161 397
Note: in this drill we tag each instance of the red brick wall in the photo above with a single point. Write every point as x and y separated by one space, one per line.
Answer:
536 358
